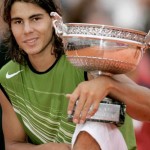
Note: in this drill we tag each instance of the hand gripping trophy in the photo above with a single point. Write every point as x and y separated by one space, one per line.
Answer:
102 49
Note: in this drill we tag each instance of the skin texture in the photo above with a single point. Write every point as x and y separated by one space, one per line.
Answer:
119 87
29 30
81 143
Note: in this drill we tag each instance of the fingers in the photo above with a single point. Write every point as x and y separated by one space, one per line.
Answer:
72 102
93 109
85 109
88 94
79 109
84 106
77 101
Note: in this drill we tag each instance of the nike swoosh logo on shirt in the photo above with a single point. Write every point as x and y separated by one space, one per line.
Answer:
8 76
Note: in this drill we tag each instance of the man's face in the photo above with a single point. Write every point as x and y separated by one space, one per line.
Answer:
31 26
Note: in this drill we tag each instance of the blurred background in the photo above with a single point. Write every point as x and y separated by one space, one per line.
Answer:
134 14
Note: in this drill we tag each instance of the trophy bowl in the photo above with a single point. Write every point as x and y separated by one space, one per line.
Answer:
108 49
102 49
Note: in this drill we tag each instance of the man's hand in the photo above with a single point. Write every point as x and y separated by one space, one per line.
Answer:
88 94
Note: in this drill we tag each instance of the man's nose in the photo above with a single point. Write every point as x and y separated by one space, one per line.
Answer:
28 28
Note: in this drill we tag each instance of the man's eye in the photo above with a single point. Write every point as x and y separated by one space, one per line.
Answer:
36 19
17 22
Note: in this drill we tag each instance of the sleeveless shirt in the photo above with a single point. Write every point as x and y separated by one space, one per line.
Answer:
39 100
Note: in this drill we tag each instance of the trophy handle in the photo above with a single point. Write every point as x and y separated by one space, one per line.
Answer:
59 26
147 39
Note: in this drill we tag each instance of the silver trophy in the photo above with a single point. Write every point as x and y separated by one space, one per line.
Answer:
102 49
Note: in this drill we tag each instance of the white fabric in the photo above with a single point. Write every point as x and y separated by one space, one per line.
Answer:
107 135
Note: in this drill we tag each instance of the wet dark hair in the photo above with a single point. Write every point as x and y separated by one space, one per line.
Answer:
14 51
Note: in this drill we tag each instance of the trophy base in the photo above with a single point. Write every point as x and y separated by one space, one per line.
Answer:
110 111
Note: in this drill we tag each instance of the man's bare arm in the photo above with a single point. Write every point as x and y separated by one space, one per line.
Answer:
136 97
14 134
120 87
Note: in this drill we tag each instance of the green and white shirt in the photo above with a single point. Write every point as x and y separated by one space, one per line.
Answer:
40 103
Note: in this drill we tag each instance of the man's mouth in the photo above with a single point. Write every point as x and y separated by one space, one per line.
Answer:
30 41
